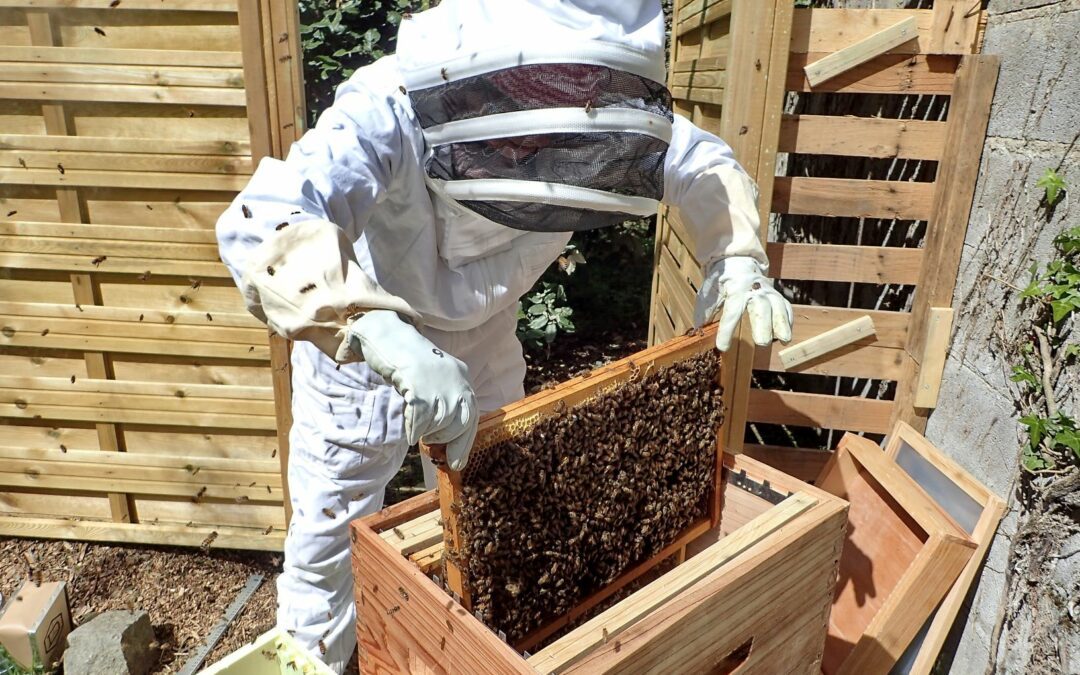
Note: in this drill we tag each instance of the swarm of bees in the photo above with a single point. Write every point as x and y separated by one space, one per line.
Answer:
561 510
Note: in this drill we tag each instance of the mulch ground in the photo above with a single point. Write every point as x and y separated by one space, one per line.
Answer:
186 591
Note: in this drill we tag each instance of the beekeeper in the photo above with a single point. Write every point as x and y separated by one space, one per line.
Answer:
395 240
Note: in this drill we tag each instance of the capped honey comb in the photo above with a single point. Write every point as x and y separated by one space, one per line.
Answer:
557 512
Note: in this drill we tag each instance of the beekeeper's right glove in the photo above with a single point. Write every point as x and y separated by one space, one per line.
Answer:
440 406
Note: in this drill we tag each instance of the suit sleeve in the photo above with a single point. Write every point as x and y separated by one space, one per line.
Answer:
287 238
715 198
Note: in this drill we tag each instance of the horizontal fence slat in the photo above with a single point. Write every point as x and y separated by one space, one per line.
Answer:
119 248
141 533
133 57
109 232
891 328
47 476
853 198
158 76
127 93
698 95
123 415
856 264
161 389
127 345
222 466
827 30
126 316
861 137
132 401
819 410
706 79
73 263
704 63
162 5
135 146
127 179
700 13
209 331
870 362
889 74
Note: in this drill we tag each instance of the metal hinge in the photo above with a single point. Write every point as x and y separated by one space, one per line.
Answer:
762 489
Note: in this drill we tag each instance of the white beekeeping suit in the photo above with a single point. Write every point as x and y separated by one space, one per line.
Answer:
394 243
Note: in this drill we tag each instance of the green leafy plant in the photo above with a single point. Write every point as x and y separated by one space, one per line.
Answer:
1053 184
1054 296
543 314
339 36
1058 284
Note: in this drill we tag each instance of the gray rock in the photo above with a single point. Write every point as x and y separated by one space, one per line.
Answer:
112 643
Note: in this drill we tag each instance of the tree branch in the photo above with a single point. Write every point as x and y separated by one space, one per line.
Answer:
1047 372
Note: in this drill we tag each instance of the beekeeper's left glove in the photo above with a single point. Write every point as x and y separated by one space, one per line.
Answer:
737 284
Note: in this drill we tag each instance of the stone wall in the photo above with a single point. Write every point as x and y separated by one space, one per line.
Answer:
1034 124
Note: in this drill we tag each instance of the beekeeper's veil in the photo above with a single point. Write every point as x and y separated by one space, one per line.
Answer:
540 114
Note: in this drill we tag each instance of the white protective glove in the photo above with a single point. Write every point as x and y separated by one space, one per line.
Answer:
440 406
735 285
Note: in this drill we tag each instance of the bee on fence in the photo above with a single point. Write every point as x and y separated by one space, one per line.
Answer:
206 543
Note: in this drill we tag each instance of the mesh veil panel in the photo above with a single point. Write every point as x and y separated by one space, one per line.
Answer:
540 217
619 162
622 163
532 87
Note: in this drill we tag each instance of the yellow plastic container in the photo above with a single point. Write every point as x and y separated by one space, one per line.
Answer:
274 652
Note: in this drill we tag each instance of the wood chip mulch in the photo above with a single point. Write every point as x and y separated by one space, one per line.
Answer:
185 591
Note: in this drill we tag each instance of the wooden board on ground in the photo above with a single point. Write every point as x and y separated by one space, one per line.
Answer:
903 554
975 508
755 596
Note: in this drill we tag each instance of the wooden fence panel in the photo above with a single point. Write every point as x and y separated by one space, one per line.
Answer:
137 395
733 53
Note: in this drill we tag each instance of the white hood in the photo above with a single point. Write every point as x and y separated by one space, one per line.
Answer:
462 33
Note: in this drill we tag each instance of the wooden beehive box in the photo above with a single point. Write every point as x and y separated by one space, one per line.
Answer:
752 593
733 596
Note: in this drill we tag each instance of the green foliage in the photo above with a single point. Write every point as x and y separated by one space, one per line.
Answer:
609 295
1053 437
1022 374
339 36
543 314
1053 184
1047 436
1058 283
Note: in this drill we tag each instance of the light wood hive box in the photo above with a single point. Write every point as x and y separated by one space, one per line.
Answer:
751 587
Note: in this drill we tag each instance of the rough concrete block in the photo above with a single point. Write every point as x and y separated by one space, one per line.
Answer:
112 643
1038 94
978 428
999 7
970 650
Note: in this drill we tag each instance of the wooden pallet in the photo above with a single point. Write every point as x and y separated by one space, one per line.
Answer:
752 595
733 63
137 397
